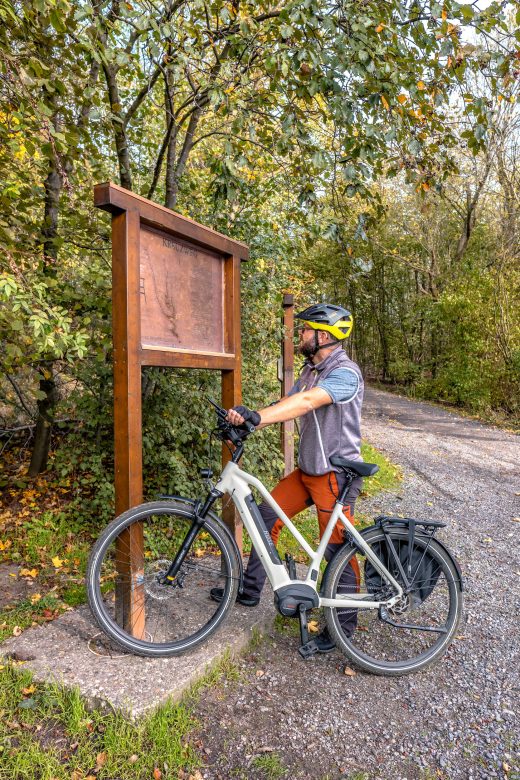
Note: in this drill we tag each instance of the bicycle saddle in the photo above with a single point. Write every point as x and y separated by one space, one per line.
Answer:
357 466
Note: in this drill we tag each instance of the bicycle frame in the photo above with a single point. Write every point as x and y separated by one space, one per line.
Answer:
237 484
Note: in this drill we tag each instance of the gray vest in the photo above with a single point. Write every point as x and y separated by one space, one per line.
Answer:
333 430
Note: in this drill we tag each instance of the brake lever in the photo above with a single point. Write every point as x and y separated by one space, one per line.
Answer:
222 413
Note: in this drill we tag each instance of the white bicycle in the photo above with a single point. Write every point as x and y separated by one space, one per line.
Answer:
151 571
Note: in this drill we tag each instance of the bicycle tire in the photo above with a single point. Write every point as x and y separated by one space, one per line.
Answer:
363 634
192 616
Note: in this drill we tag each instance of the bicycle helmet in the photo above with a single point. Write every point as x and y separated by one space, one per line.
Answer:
326 316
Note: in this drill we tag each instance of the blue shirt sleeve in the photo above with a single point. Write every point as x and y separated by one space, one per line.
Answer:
341 384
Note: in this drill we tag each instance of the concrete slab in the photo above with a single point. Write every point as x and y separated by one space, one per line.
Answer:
68 651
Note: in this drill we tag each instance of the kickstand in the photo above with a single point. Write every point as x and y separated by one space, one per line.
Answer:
308 647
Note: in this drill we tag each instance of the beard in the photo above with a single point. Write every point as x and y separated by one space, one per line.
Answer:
307 350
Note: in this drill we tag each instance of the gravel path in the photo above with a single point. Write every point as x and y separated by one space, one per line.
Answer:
456 720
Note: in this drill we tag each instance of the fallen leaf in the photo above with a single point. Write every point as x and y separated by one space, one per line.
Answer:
487 539
57 562
260 673
384 101
35 598
421 85
157 774
195 776
17 631
506 767
380 27
516 519
349 672
29 690
100 759
461 636
313 626
133 758
402 99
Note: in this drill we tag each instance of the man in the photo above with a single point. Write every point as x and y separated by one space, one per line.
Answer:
327 398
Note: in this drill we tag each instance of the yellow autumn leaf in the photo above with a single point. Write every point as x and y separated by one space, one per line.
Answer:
402 99
421 85
355 133
444 14
500 99
380 28
5 545
30 689
28 572
17 631
57 562
35 598
425 186
512 99
384 101
313 626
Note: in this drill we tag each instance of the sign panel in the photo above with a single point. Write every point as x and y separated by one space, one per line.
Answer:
181 294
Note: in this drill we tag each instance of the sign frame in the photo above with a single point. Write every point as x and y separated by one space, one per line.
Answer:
131 214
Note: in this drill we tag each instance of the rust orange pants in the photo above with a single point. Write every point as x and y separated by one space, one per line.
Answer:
293 494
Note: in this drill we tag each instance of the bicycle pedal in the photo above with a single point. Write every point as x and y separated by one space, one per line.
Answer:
308 649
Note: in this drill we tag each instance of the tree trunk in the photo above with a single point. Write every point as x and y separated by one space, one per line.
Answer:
47 386
42 437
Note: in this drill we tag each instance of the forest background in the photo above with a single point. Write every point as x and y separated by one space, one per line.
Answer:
367 152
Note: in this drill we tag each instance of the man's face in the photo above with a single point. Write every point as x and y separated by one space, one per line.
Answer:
306 340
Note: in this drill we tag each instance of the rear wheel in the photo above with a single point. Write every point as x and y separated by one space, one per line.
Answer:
419 628
133 602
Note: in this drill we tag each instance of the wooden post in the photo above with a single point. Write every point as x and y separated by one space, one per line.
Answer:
127 416
288 379
232 380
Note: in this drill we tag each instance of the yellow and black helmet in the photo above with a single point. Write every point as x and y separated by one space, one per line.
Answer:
326 316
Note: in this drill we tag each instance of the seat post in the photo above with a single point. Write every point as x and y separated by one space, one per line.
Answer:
350 479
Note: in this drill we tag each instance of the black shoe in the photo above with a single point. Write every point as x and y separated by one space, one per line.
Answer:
242 598
324 643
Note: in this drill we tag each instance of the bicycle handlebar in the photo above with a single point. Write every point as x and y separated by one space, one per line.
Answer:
235 433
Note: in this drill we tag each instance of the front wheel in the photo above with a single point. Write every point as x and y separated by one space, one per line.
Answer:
132 600
414 632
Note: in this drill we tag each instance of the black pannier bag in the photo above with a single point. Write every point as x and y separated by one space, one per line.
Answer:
425 570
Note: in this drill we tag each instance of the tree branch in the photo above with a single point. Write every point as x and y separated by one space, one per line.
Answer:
141 95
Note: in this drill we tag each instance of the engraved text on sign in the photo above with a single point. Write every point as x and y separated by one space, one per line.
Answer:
182 294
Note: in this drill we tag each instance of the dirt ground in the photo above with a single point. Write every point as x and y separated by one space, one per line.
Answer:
286 717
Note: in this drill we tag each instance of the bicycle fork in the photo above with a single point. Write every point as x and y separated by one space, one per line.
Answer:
199 520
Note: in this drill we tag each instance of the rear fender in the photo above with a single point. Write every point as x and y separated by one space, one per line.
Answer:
404 522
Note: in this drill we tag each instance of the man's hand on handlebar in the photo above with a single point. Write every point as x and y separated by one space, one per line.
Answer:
241 415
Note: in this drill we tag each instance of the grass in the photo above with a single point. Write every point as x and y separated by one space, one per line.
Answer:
271 766
48 731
